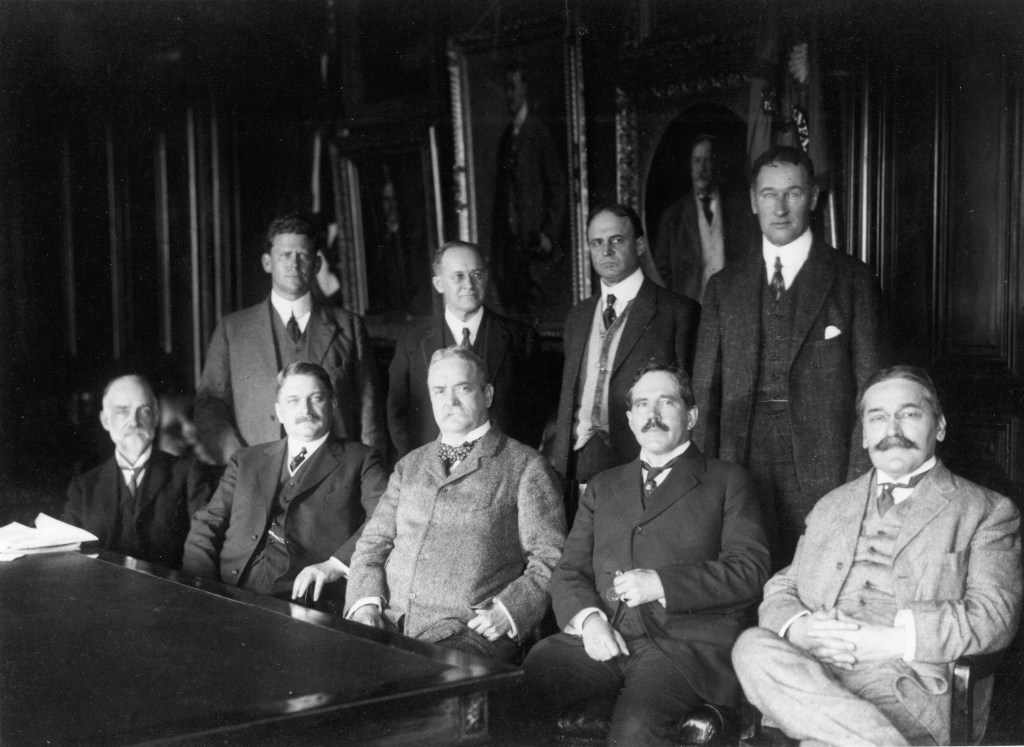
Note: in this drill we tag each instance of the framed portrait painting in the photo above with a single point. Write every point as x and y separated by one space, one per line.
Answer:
520 165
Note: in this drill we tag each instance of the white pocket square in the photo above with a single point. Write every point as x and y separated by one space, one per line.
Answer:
831 332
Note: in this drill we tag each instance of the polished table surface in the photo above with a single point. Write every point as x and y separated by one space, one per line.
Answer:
109 650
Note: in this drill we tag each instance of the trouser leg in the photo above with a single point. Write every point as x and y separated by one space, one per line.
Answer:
803 697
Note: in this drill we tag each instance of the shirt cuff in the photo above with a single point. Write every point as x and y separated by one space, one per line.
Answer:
514 632
338 565
575 625
905 619
377 602
790 621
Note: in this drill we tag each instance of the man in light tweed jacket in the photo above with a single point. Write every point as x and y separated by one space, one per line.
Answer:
462 544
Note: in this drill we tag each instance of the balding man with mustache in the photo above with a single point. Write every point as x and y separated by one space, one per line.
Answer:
664 561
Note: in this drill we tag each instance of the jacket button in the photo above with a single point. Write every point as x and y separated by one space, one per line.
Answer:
234 572
839 566
255 537
412 595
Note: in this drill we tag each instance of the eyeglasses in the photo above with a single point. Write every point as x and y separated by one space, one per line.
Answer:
476 276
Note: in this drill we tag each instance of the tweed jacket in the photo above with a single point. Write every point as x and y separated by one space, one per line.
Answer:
235 398
439 546
678 253
338 489
510 350
701 531
956 567
838 341
661 328
172 488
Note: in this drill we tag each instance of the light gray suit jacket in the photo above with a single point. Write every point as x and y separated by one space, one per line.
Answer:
436 547
956 567
235 399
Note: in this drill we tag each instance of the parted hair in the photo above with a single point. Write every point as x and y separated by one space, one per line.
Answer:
782 154
297 223
463 354
305 368
682 382
910 373
455 244
619 211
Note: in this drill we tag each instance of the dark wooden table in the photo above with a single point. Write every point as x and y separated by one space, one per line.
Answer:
109 650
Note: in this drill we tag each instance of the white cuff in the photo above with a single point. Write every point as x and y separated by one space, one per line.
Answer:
905 619
514 632
375 601
575 625
790 621
337 564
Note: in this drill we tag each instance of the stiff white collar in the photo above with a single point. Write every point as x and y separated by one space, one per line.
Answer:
456 325
301 307
657 461
793 255
473 435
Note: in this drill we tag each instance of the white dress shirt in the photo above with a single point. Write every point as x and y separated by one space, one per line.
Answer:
793 255
300 307
456 325
128 469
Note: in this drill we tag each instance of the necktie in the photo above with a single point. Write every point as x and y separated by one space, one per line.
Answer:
452 454
465 339
778 285
293 328
885 496
609 312
705 201
133 481
653 472
297 460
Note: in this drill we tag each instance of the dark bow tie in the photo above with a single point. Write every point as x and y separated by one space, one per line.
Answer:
653 472
452 454
885 496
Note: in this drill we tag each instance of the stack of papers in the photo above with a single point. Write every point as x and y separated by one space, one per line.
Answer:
49 535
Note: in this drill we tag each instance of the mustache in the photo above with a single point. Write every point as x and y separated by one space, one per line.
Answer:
308 419
897 441
653 423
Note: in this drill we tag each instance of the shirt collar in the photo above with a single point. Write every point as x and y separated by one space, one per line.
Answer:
881 476
311 446
123 463
656 461
793 255
625 290
455 324
712 193
300 306
473 435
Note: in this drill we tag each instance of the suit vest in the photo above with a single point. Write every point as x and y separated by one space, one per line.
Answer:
775 341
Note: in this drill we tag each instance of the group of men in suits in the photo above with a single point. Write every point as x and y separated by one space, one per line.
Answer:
691 493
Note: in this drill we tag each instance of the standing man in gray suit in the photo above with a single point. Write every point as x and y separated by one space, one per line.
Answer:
899 573
787 339
462 544
235 399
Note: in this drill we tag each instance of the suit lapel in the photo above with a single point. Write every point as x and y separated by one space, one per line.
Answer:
322 330
495 338
741 312
262 335
627 493
269 470
432 341
575 339
154 479
929 500
320 466
845 532
816 278
681 479
485 448
641 313
106 486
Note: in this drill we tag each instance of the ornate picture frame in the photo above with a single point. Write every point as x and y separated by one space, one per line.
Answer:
492 152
